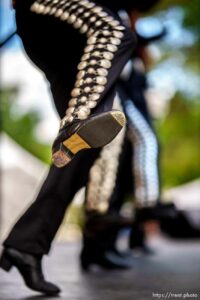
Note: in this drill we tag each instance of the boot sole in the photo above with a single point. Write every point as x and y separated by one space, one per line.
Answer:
95 133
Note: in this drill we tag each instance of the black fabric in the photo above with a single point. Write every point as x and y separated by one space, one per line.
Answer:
128 5
56 48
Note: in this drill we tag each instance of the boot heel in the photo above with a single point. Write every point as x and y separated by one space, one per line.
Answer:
5 263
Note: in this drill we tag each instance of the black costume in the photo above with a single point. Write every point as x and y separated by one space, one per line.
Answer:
55 33
56 48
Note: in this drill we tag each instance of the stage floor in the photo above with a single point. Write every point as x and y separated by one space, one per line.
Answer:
172 272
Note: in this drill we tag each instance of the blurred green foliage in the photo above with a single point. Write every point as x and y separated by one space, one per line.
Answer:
179 135
21 126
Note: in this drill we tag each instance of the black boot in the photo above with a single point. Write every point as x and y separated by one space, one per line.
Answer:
185 224
157 212
137 239
95 252
30 268
94 132
98 248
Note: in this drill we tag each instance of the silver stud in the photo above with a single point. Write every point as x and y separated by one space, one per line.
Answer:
111 48
87 89
72 102
40 9
106 32
114 23
103 40
100 46
78 23
58 13
91 104
75 92
105 63
118 34
83 112
97 9
92 19
115 41
90 32
88 80
34 7
80 74
94 97
108 55
93 62
89 5
80 10
46 10
70 110
53 10
89 48
83 99
85 56
91 71
120 28
64 16
70 119
98 88
82 65
84 29
98 23
96 53
87 14
101 80
72 19
91 40
102 72
64 121
102 14
108 19
79 82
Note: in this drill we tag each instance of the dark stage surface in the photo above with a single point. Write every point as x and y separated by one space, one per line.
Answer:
174 268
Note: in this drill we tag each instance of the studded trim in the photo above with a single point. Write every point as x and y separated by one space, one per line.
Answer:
104 35
103 174
145 170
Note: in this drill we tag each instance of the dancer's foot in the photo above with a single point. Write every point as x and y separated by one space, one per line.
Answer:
93 132
30 268
95 252
98 248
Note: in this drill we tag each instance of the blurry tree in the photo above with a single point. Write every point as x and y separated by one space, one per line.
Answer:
180 139
179 132
21 126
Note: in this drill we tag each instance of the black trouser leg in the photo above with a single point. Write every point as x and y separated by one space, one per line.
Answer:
35 230
52 45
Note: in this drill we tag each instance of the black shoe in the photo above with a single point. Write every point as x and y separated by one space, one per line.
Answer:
30 268
94 132
185 224
98 241
137 239
157 212
94 252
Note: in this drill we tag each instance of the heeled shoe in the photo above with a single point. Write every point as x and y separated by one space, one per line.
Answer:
30 269
94 132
